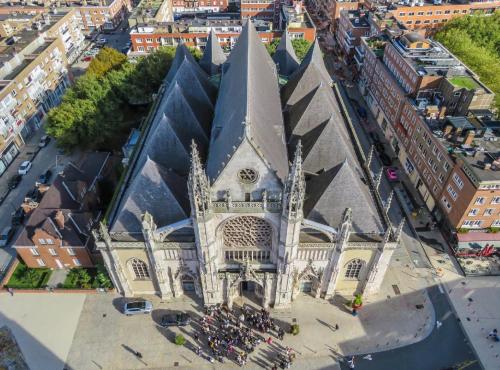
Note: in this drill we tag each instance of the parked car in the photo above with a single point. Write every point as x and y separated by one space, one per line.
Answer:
14 181
87 58
392 173
6 234
175 319
44 178
18 217
24 168
386 160
44 140
136 307
362 112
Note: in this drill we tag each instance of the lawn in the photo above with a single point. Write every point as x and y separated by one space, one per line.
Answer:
464 82
28 278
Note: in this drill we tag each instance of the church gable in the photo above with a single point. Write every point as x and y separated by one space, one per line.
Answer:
246 173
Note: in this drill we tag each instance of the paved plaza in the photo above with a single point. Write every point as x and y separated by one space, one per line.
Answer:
105 338
43 325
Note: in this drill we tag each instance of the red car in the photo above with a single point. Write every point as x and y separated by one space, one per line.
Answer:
392 173
87 59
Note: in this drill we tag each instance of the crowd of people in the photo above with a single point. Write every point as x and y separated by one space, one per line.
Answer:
234 336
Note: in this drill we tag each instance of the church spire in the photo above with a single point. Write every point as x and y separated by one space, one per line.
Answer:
295 187
198 185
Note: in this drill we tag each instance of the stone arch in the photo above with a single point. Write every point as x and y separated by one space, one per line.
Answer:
353 269
139 269
308 276
234 286
184 273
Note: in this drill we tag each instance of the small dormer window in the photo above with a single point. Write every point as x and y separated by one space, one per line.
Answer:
42 241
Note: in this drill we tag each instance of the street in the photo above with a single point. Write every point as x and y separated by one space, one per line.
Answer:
46 159
445 348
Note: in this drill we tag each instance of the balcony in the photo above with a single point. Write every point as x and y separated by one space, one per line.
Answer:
222 207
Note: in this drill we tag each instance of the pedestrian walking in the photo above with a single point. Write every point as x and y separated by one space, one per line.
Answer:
269 340
11 291
351 363
138 354
494 335
336 327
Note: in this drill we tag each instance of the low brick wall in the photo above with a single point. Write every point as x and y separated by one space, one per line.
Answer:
9 273
57 290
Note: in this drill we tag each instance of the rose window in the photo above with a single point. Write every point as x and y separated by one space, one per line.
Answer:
247 175
247 231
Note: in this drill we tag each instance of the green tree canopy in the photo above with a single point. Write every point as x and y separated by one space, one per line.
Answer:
112 96
108 58
475 40
300 46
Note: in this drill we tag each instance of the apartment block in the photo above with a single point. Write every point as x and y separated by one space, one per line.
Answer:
267 10
92 14
186 6
33 77
353 24
330 9
431 108
194 32
429 15
14 22
148 12
57 234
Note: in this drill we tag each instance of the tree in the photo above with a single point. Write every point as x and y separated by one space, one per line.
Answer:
84 279
105 60
475 40
301 46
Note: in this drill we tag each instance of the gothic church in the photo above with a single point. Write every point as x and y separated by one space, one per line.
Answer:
246 176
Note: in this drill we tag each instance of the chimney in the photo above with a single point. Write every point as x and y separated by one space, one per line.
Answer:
469 137
59 218
447 130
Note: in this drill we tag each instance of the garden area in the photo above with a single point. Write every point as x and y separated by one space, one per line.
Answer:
27 278
87 278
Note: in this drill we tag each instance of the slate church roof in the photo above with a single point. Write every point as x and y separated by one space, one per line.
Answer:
284 57
249 106
213 56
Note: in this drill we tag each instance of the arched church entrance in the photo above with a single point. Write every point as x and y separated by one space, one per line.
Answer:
250 292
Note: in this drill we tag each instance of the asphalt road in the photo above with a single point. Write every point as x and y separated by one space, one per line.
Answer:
445 348
46 159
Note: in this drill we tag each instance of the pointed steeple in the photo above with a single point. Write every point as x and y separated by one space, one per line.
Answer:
198 186
295 187
315 56
213 56
285 57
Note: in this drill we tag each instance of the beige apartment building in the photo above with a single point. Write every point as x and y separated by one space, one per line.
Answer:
92 14
33 77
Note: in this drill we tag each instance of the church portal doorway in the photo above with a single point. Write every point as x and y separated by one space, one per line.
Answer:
250 292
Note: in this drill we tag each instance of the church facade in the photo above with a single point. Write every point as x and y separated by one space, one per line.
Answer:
246 176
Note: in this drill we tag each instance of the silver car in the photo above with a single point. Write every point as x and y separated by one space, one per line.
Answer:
136 307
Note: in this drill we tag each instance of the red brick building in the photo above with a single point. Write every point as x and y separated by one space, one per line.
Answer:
352 25
182 6
57 234
194 32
